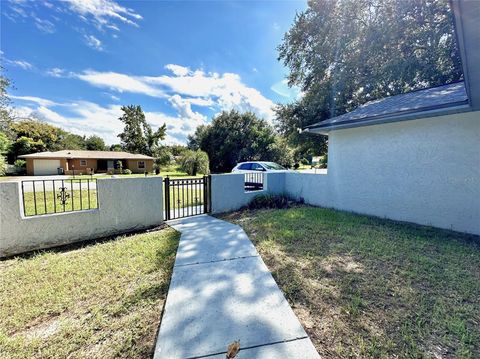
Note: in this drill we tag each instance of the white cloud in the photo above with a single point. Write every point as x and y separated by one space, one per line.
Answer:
223 91
88 118
44 25
37 100
119 82
21 63
93 42
104 12
178 70
56 72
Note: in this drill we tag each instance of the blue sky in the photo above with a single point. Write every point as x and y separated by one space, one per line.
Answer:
75 63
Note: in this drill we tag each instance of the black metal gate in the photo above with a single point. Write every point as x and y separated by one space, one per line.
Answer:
185 197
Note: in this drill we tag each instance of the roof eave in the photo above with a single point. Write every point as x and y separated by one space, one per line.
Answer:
395 117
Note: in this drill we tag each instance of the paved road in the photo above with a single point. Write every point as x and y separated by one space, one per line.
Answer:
222 291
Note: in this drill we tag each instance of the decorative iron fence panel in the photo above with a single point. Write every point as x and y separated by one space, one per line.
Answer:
186 197
42 197
254 181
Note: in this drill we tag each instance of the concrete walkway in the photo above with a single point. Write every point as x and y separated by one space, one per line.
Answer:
222 291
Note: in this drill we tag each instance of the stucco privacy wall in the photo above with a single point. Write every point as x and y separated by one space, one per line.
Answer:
424 171
228 191
124 205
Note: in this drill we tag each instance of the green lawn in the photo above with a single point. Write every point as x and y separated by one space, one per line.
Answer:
49 202
365 287
103 300
173 174
183 196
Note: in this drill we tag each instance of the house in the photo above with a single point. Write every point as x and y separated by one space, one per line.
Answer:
412 157
85 162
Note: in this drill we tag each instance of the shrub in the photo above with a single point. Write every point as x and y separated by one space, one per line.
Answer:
324 162
163 158
194 162
270 201
20 163
127 172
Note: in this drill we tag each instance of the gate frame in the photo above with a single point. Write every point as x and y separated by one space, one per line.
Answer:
207 196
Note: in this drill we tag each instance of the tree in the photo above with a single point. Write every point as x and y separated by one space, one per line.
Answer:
342 54
70 141
38 131
233 137
116 148
95 143
163 157
138 136
6 116
194 162
5 144
26 145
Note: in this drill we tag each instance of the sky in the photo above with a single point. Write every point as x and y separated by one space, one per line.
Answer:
75 63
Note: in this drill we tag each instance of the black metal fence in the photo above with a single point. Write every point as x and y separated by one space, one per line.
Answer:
185 197
55 196
254 181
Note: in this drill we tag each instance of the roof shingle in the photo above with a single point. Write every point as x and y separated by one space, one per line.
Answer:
415 101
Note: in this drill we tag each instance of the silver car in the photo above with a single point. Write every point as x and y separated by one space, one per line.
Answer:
260 166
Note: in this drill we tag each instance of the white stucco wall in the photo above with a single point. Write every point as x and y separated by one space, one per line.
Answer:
424 171
228 191
124 205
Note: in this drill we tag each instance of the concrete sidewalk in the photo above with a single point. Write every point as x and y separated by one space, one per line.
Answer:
222 291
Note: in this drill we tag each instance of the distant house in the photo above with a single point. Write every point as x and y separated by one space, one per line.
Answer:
85 162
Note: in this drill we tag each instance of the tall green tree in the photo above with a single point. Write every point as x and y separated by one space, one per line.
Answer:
343 53
116 147
70 141
234 137
6 116
95 143
138 136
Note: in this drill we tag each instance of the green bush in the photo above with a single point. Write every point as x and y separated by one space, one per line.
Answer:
194 162
20 163
324 162
270 201
127 172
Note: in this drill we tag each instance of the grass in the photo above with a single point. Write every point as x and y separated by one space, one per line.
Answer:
365 287
103 300
50 203
174 173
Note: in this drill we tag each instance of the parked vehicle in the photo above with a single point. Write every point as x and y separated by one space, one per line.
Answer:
254 173
260 166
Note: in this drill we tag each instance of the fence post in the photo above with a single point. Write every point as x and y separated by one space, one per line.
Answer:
205 190
166 181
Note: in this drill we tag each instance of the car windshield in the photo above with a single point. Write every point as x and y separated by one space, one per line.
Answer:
273 166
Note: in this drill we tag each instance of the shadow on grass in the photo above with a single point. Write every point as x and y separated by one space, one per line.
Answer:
62 248
371 287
